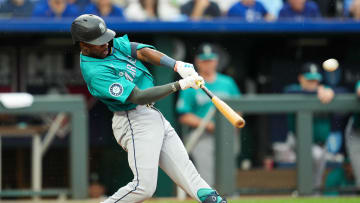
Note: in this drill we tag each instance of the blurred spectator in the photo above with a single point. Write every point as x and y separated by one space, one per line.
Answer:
104 8
339 178
331 8
81 4
170 10
352 139
195 105
250 10
142 10
352 9
225 5
272 6
121 3
299 10
55 8
201 9
16 8
346 5
309 83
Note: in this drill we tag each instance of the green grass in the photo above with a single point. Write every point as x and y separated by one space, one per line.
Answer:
261 199
277 200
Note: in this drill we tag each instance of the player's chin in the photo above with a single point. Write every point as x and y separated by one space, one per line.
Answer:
102 55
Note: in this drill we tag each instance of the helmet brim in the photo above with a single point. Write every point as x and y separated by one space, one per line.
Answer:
103 39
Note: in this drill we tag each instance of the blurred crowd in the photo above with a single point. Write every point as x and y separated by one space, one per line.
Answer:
176 10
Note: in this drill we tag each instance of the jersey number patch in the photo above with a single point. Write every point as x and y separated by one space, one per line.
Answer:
116 89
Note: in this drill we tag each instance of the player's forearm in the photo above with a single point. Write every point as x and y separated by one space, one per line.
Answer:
194 121
151 56
190 119
152 94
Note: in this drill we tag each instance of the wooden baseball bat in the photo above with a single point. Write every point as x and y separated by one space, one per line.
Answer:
234 118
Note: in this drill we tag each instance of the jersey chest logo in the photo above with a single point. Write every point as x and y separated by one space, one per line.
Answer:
116 89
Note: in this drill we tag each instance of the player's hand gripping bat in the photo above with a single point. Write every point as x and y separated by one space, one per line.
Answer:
234 118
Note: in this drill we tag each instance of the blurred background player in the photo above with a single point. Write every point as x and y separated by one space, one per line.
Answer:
194 105
341 177
309 83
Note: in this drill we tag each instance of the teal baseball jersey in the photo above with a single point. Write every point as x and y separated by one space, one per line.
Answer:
113 78
198 103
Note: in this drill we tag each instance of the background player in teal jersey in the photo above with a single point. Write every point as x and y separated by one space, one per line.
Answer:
310 83
117 76
193 106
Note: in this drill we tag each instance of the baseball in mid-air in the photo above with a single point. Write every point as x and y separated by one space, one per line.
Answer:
330 65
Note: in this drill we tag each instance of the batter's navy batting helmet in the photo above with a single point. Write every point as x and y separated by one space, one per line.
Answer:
91 29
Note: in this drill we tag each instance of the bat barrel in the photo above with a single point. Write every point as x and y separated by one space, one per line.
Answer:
239 123
234 118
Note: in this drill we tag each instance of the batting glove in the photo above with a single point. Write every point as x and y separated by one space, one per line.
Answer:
185 69
191 81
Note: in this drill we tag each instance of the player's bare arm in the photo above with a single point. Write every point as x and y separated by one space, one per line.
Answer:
157 58
150 56
194 121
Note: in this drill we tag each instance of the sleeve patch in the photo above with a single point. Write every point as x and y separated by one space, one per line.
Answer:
116 89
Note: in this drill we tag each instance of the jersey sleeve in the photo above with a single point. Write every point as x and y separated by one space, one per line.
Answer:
112 87
128 48
185 102
122 44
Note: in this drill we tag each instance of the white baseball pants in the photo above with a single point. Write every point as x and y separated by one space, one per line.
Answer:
150 142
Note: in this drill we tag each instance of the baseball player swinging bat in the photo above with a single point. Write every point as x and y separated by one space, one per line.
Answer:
234 118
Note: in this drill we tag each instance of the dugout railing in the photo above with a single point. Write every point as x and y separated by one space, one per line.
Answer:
303 106
75 107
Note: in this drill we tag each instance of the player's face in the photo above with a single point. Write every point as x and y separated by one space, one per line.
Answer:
96 51
206 66
309 85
